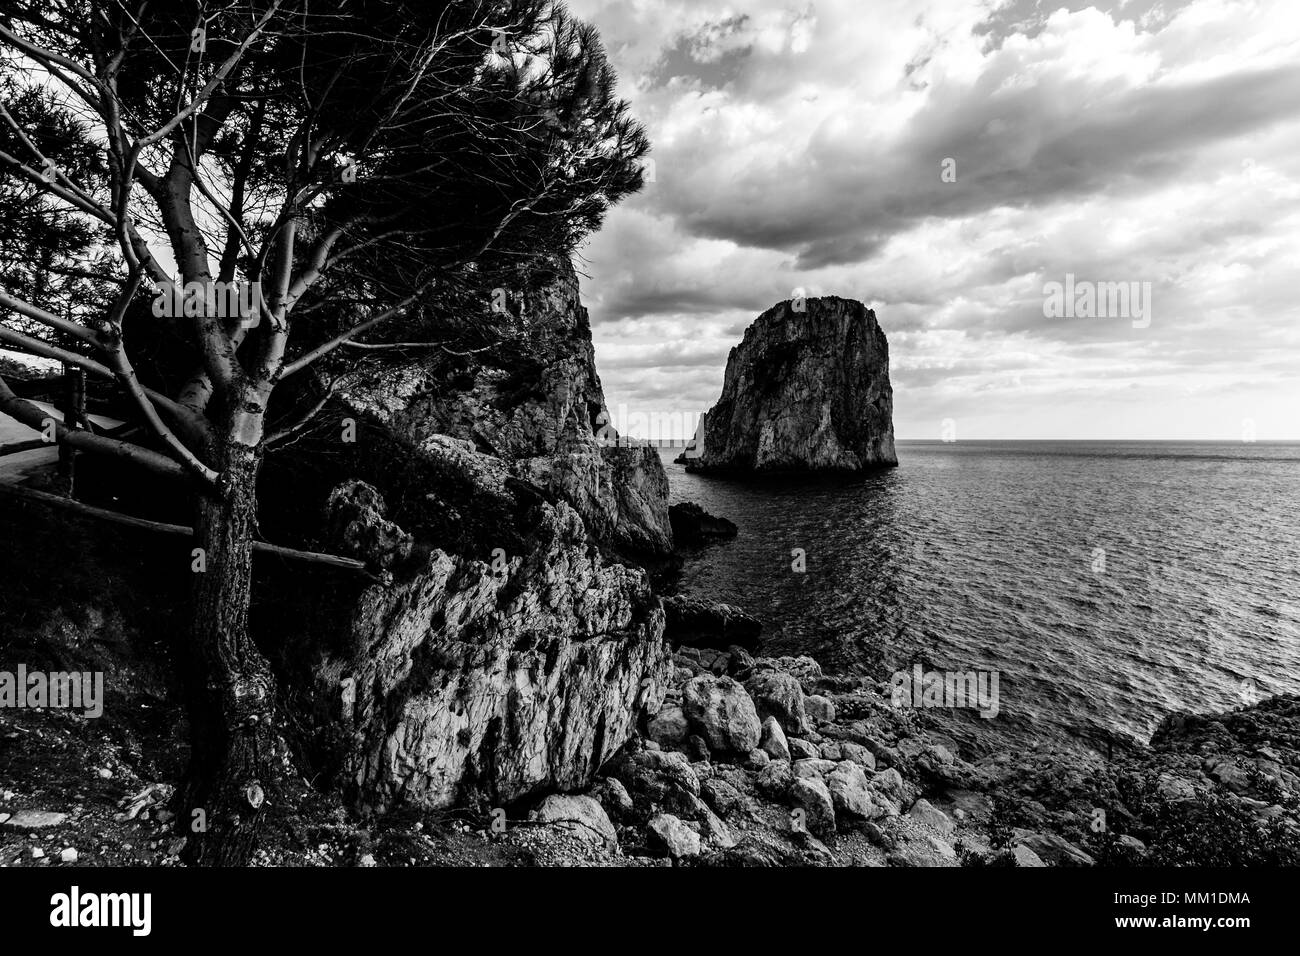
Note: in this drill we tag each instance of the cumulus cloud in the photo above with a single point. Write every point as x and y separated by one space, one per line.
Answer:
799 145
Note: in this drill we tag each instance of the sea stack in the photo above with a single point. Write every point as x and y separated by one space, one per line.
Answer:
806 390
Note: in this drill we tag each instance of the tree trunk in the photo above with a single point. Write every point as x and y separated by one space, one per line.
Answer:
239 761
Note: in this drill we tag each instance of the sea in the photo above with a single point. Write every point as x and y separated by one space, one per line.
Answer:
1106 584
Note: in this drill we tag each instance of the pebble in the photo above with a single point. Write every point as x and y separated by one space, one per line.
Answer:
69 855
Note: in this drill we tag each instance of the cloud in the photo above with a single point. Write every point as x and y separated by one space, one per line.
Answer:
799 145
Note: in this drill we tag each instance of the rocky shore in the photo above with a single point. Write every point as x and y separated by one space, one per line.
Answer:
763 762
747 761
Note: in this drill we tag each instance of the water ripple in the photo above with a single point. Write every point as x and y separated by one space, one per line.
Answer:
1109 583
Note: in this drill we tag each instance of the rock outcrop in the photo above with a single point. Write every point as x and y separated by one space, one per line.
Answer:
537 404
806 390
699 623
693 526
505 654
493 677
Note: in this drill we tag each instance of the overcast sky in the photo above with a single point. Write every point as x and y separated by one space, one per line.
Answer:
801 144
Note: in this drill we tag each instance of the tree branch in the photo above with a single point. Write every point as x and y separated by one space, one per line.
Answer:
300 363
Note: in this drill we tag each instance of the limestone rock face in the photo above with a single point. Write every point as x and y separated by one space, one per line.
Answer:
805 390
504 654
494 678
621 493
537 404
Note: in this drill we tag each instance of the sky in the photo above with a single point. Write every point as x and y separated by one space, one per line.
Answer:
945 162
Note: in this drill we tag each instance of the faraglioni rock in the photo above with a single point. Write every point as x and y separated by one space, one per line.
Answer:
806 390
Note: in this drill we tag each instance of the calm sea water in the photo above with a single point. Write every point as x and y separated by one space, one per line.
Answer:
1108 583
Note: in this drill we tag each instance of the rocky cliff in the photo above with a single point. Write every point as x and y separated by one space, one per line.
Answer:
536 403
493 679
507 652
806 390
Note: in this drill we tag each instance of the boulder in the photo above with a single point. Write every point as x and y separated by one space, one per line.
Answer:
668 727
684 804
802 668
924 813
1230 775
801 749
777 694
723 714
1132 844
739 660
812 797
858 754
819 708
697 748
613 796
672 836
928 851
1054 850
1175 789
813 767
583 816
890 783
36 819
775 780
772 740
1023 856
715 831
885 807
652 777
723 798
851 793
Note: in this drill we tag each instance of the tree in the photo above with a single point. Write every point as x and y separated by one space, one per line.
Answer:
46 243
344 168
